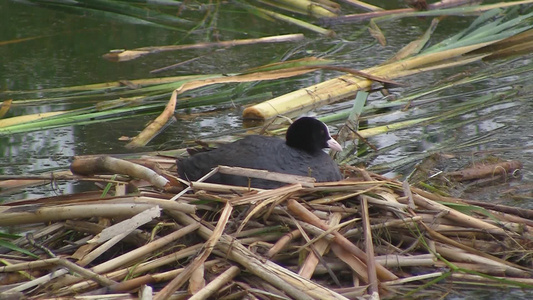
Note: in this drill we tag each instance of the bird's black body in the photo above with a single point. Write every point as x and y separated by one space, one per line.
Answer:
301 155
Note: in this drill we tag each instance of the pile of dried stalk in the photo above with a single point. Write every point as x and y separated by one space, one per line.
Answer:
364 235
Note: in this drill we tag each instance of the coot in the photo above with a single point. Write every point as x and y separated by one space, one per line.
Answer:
301 154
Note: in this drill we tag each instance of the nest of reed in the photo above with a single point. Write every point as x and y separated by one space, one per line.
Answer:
366 235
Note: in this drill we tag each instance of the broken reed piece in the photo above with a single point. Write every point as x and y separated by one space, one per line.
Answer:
486 170
103 164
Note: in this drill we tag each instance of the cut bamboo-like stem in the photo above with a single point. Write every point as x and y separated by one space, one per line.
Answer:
357 265
107 164
127 226
369 247
477 278
221 188
455 254
216 284
398 261
305 181
311 261
281 243
85 272
29 265
63 212
37 281
336 89
138 52
413 278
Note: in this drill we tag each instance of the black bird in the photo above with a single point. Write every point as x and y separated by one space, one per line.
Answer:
301 154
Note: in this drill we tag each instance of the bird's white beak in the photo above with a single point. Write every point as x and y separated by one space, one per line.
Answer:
333 144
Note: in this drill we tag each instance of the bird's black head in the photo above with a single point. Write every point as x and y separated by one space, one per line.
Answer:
310 135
